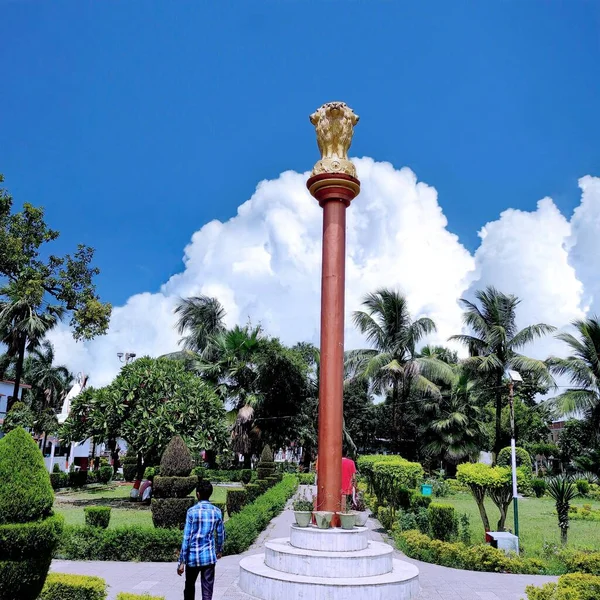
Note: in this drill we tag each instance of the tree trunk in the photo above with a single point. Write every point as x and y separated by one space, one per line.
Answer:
563 535
114 454
479 496
211 458
395 414
18 373
44 443
248 460
140 466
498 440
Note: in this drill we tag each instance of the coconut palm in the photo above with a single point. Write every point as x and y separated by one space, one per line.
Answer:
582 367
200 318
393 365
494 342
24 321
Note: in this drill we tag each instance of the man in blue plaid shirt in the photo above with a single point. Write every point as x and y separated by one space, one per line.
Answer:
199 554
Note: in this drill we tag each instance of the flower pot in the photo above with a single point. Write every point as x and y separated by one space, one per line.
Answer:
323 519
347 520
303 518
361 517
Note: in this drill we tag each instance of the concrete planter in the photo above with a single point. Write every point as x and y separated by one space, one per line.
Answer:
347 519
303 518
323 519
361 517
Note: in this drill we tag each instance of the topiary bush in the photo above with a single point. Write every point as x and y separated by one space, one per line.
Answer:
252 492
105 474
174 487
523 458
246 476
29 532
539 487
170 513
443 522
177 459
64 586
266 456
97 516
236 500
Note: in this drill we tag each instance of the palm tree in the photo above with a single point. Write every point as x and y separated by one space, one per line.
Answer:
24 323
455 425
200 319
494 342
50 380
583 369
563 490
393 365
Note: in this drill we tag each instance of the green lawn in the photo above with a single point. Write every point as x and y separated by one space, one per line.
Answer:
71 505
537 523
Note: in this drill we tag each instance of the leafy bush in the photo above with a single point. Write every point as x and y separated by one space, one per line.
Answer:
575 586
78 478
523 458
129 471
105 474
579 561
173 487
56 468
422 520
306 478
439 487
246 476
385 516
263 485
456 486
127 596
132 543
407 521
176 460
25 490
170 513
263 473
443 522
153 472
583 487
464 529
417 500
236 500
73 587
539 487
59 480
97 516
28 531
244 527
91 477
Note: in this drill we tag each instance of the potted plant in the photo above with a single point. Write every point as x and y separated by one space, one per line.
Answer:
361 512
303 508
323 519
347 519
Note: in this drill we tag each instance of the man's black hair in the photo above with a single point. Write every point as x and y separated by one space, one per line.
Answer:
204 490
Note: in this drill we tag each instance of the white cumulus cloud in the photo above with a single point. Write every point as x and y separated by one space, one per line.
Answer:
264 264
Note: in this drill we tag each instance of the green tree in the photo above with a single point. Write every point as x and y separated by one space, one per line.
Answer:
38 287
359 413
19 415
393 364
582 367
200 319
494 342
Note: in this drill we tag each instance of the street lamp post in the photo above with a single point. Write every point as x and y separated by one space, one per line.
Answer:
126 357
514 377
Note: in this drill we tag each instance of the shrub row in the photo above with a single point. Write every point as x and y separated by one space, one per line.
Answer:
460 556
223 476
60 479
306 478
245 526
575 586
174 487
64 586
236 500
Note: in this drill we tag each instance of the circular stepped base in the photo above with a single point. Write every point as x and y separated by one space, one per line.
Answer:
377 559
261 581
329 540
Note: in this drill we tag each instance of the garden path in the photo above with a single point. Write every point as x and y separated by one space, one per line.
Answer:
160 579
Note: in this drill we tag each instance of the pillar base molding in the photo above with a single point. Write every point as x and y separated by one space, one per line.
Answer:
333 187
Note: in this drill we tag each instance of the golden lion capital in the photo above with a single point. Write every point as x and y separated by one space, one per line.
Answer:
334 123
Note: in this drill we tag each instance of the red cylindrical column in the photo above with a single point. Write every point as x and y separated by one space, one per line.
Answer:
334 193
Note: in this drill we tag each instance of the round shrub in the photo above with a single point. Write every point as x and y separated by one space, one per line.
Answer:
443 522
246 476
105 474
583 487
539 487
29 533
523 459
129 471
177 459
73 587
173 487
25 490
97 516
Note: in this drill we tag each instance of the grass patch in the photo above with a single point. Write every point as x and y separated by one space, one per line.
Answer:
538 525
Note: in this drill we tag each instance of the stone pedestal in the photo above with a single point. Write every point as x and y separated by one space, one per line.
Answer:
328 564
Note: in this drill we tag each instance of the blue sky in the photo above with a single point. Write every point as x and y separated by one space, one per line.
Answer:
134 123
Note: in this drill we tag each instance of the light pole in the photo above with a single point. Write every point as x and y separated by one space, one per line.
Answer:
126 357
514 377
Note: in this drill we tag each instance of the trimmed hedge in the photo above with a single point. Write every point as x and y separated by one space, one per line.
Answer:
64 586
244 527
105 474
78 478
132 543
246 476
97 516
170 513
443 522
129 471
236 500
29 532
173 487
59 480
252 491
575 586
306 478
263 485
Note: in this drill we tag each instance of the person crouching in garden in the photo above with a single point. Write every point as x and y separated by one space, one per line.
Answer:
199 551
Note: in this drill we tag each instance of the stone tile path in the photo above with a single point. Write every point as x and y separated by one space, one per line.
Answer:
160 579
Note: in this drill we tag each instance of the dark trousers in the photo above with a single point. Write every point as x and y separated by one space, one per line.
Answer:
207 581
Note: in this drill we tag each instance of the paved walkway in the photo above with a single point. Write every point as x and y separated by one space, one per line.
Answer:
160 579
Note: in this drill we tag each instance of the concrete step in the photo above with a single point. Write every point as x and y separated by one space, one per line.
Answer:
261 581
329 540
376 559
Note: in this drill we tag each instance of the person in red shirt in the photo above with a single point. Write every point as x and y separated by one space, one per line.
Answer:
348 480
